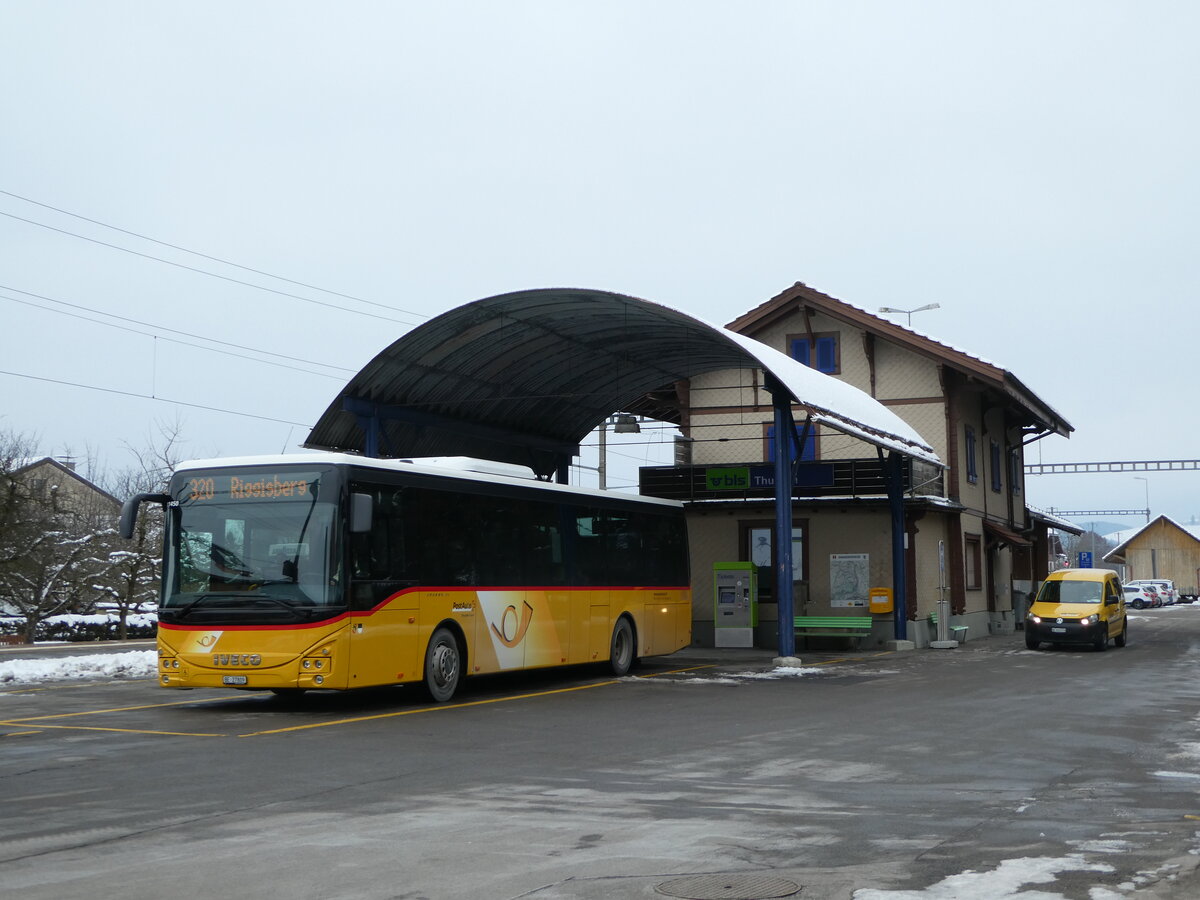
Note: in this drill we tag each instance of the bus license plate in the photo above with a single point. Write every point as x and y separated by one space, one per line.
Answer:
1059 630
233 679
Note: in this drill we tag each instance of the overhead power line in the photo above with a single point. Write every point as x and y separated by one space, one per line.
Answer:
159 337
199 271
163 328
93 387
224 262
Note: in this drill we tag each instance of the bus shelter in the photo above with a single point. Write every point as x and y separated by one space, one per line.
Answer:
523 377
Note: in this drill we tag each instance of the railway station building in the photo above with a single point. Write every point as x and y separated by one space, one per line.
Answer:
966 525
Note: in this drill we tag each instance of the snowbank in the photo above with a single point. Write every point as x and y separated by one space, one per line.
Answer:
132 664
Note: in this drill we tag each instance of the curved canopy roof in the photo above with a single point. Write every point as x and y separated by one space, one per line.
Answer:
523 377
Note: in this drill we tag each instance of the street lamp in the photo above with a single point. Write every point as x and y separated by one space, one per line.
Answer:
909 312
623 423
1147 483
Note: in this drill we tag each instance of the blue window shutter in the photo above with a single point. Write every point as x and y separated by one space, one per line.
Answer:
827 355
800 350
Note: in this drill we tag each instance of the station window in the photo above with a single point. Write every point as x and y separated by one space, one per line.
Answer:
972 456
973 559
820 352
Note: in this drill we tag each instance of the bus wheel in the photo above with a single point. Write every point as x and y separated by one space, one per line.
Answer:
443 666
620 656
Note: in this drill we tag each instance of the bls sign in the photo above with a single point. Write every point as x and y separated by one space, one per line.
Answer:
732 479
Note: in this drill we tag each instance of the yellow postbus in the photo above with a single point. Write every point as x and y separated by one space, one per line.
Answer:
330 571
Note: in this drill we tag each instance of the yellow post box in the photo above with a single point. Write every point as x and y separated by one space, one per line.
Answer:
881 600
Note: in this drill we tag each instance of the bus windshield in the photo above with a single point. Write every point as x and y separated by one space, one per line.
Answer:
261 542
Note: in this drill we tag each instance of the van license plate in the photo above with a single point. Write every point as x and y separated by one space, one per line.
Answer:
233 679
1055 630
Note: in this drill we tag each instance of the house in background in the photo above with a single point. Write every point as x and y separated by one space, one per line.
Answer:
50 481
1161 549
966 527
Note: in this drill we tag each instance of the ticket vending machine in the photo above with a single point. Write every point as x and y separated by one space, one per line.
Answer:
735 603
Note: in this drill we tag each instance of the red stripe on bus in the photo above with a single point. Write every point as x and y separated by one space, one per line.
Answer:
363 613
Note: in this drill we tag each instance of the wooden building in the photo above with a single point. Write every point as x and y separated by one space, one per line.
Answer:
1161 549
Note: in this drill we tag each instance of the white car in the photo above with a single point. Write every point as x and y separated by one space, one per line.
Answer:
1164 586
1139 597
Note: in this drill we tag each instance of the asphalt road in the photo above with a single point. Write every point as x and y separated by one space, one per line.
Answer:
975 772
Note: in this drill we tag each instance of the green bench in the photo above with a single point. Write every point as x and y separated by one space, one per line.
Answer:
856 627
957 632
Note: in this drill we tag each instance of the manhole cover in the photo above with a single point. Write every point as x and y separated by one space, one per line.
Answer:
728 887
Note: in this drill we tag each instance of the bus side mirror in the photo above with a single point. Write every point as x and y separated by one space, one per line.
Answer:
361 513
129 510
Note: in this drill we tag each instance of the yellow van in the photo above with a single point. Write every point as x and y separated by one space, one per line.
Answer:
1078 606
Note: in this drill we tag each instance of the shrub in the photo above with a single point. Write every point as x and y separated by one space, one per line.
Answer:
83 628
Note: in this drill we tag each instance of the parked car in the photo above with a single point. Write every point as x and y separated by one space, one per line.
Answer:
1139 597
1165 588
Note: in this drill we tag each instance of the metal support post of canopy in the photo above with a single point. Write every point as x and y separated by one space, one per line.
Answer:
895 483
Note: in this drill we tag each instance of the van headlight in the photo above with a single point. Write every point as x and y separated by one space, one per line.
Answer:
1092 619
1036 620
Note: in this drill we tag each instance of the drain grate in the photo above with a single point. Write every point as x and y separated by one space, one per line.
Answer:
729 887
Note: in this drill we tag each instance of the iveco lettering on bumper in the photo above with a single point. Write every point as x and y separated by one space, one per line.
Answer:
236 659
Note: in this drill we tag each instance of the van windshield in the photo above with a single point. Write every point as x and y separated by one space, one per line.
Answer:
1071 592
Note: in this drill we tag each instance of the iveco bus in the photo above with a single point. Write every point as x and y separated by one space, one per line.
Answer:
332 571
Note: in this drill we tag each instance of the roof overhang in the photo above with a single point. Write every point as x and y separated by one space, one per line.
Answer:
1049 520
523 377
998 534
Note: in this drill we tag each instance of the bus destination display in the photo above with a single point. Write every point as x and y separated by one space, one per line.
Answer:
201 488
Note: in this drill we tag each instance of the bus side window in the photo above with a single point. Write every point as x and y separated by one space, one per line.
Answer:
589 554
542 541
378 555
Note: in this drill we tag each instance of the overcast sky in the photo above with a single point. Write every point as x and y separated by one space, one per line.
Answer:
1030 166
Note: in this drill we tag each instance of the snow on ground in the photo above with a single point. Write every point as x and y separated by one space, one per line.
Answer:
1006 880
132 664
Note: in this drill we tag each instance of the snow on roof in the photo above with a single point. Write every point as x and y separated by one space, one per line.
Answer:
1119 550
568 358
1054 521
838 404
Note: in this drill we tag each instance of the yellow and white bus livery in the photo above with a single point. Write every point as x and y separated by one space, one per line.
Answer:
332 571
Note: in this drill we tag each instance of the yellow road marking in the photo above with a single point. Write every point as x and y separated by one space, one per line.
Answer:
345 721
678 671
19 733
42 688
99 712
428 709
122 730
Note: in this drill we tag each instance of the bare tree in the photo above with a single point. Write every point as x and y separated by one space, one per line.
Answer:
131 582
51 548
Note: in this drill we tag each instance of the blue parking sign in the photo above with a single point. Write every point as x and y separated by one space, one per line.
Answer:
1085 559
